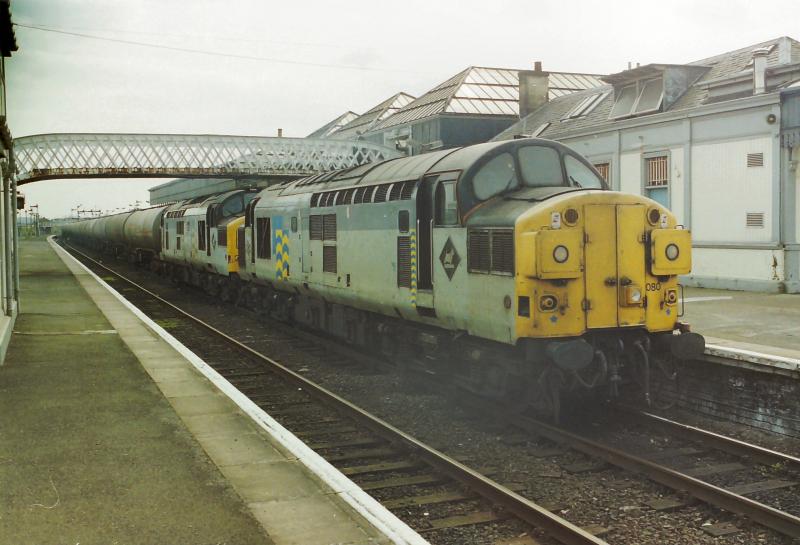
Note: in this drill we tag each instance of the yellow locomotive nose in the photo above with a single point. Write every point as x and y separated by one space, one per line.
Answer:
598 262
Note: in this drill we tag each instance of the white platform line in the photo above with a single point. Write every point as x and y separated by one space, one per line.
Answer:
701 299
364 504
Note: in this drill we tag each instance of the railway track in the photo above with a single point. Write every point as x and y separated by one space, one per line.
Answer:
439 496
691 480
452 494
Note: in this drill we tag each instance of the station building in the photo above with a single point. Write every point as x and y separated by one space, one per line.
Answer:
467 108
716 140
9 273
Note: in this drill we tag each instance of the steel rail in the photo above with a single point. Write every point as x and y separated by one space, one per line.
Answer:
728 444
562 530
765 515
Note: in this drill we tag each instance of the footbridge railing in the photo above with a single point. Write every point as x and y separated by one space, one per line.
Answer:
48 156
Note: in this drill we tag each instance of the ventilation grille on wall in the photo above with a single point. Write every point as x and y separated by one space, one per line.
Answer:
755 219
755 159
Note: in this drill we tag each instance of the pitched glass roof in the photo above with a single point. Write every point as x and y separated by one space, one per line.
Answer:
375 115
483 91
332 126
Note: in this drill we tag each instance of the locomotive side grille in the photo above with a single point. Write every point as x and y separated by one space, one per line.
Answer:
479 255
315 200
329 227
404 262
329 259
359 198
394 194
315 227
503 251
490 251
380 193
408 189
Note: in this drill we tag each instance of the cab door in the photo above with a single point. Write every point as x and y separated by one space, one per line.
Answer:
615 265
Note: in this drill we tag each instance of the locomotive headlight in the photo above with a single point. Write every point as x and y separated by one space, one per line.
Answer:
560 254
672 251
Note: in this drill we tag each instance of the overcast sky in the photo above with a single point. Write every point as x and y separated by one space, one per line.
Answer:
369 50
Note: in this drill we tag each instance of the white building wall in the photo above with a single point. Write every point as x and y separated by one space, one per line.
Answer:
676 183
630 172
796 159
742 268
725 189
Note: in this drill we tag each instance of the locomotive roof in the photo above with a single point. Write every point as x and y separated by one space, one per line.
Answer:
404 168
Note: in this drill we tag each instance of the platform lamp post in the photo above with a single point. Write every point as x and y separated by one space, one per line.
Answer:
35 215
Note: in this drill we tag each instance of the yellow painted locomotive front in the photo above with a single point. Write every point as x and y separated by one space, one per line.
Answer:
598 260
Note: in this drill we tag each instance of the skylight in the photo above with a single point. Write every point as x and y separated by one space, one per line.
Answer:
642 97
585 106
625 102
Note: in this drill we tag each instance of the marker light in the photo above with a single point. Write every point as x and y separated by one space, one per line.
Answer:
555 220
633 295
664 224
672 251
560 254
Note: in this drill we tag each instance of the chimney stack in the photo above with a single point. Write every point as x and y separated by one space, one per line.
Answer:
280 133
760 70
533 89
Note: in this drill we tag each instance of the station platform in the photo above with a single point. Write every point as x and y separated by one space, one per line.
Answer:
760 328
109 434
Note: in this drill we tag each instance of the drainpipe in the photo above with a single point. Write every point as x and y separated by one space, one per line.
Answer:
7 243
16 232
760 71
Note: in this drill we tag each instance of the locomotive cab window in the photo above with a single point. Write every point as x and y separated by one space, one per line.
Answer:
580 175
496 176
446 205
541 166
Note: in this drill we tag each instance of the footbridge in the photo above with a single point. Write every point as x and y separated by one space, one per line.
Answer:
49 156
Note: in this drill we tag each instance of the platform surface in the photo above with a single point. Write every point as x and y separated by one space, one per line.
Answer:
108 435
761 322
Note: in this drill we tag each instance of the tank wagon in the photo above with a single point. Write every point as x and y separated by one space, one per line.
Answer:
508 264
135 234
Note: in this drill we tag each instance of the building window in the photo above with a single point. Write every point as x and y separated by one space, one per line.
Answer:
656 172
641 97
605 170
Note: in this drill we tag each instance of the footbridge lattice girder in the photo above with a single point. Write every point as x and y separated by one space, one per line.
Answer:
48 156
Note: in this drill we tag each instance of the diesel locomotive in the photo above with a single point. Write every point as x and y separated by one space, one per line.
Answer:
510 266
